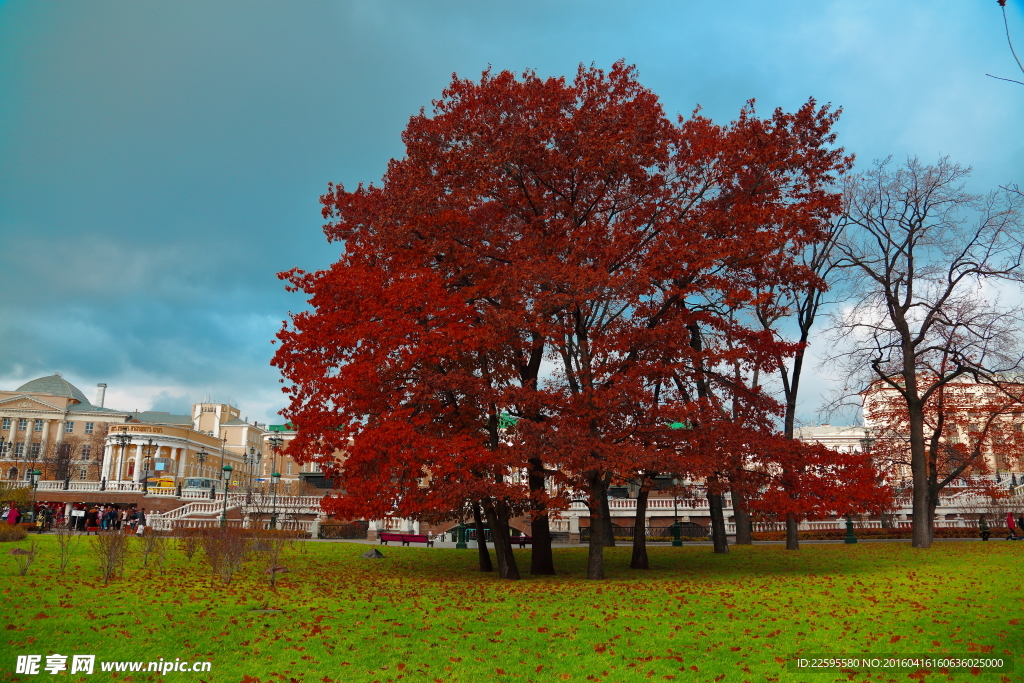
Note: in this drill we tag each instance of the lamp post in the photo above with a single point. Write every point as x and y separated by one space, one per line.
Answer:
224 515
33 476
850 537
223 444
275 445
275 477
460 537
147 452
676 541
123 440
201 458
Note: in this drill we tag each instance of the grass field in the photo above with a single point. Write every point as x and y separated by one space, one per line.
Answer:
426 615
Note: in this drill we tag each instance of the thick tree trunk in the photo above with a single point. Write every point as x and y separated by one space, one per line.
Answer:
497 518
739 510
542 561
481 540
921 530
639 560
597 503
607 528
792 529
718 539
933 500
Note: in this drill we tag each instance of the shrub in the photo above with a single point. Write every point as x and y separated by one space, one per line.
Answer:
12 532
840 534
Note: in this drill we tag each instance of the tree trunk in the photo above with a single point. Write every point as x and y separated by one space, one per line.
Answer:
497 517
718 539
597 503
481 540
922 525
792 535
607 528
739 509
542 562
639 560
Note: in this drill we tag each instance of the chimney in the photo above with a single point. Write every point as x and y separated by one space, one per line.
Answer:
101 392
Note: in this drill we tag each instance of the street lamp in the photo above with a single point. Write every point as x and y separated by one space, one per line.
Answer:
123 440
224 515
676 541
147 452
33 477
275 477
201 458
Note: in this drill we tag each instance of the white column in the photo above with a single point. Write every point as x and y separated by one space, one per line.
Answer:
105 467
60 430
46 434
137 473
29 426
121 463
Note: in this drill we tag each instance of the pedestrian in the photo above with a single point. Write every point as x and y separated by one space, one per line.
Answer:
122 519
983 528
1020 524
92 521
1011 527
141 522
13 515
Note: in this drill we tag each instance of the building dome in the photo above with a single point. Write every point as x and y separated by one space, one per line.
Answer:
55 385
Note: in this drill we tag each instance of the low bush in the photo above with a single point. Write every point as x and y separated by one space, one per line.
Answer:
840 534
12 532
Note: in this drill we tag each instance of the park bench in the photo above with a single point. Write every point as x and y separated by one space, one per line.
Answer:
522 540
406 539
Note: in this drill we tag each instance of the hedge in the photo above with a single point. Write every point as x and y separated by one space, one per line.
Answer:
840 534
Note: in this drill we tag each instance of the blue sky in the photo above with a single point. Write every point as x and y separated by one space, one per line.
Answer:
161 162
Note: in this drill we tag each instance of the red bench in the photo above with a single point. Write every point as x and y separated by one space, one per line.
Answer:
522 540
406 539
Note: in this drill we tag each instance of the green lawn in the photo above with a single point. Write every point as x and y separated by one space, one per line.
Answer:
426 615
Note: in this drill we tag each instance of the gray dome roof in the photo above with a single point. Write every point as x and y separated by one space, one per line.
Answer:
54 385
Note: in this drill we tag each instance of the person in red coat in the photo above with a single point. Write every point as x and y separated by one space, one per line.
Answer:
1010 525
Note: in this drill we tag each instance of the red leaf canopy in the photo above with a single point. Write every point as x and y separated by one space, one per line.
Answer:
546 249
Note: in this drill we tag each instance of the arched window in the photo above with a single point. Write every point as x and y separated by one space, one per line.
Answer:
12 473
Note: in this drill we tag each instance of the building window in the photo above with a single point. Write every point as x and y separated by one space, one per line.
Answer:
289 468
86 451
35 450
19 449
83 472
88 427
37 426
22 425
7 424
69 427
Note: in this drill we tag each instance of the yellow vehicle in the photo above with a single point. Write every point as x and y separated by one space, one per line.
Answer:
160 482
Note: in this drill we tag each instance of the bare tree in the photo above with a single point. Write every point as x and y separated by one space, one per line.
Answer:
111 549
799 306
927 260
1009 40
67 543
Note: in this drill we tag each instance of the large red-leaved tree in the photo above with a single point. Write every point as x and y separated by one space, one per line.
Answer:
538 219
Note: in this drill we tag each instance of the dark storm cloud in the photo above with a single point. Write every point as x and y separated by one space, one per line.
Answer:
160 162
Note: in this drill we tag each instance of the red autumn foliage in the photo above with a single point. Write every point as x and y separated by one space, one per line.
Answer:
536 220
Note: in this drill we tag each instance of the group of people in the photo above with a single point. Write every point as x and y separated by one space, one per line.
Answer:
1015 528
114 518
93 518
